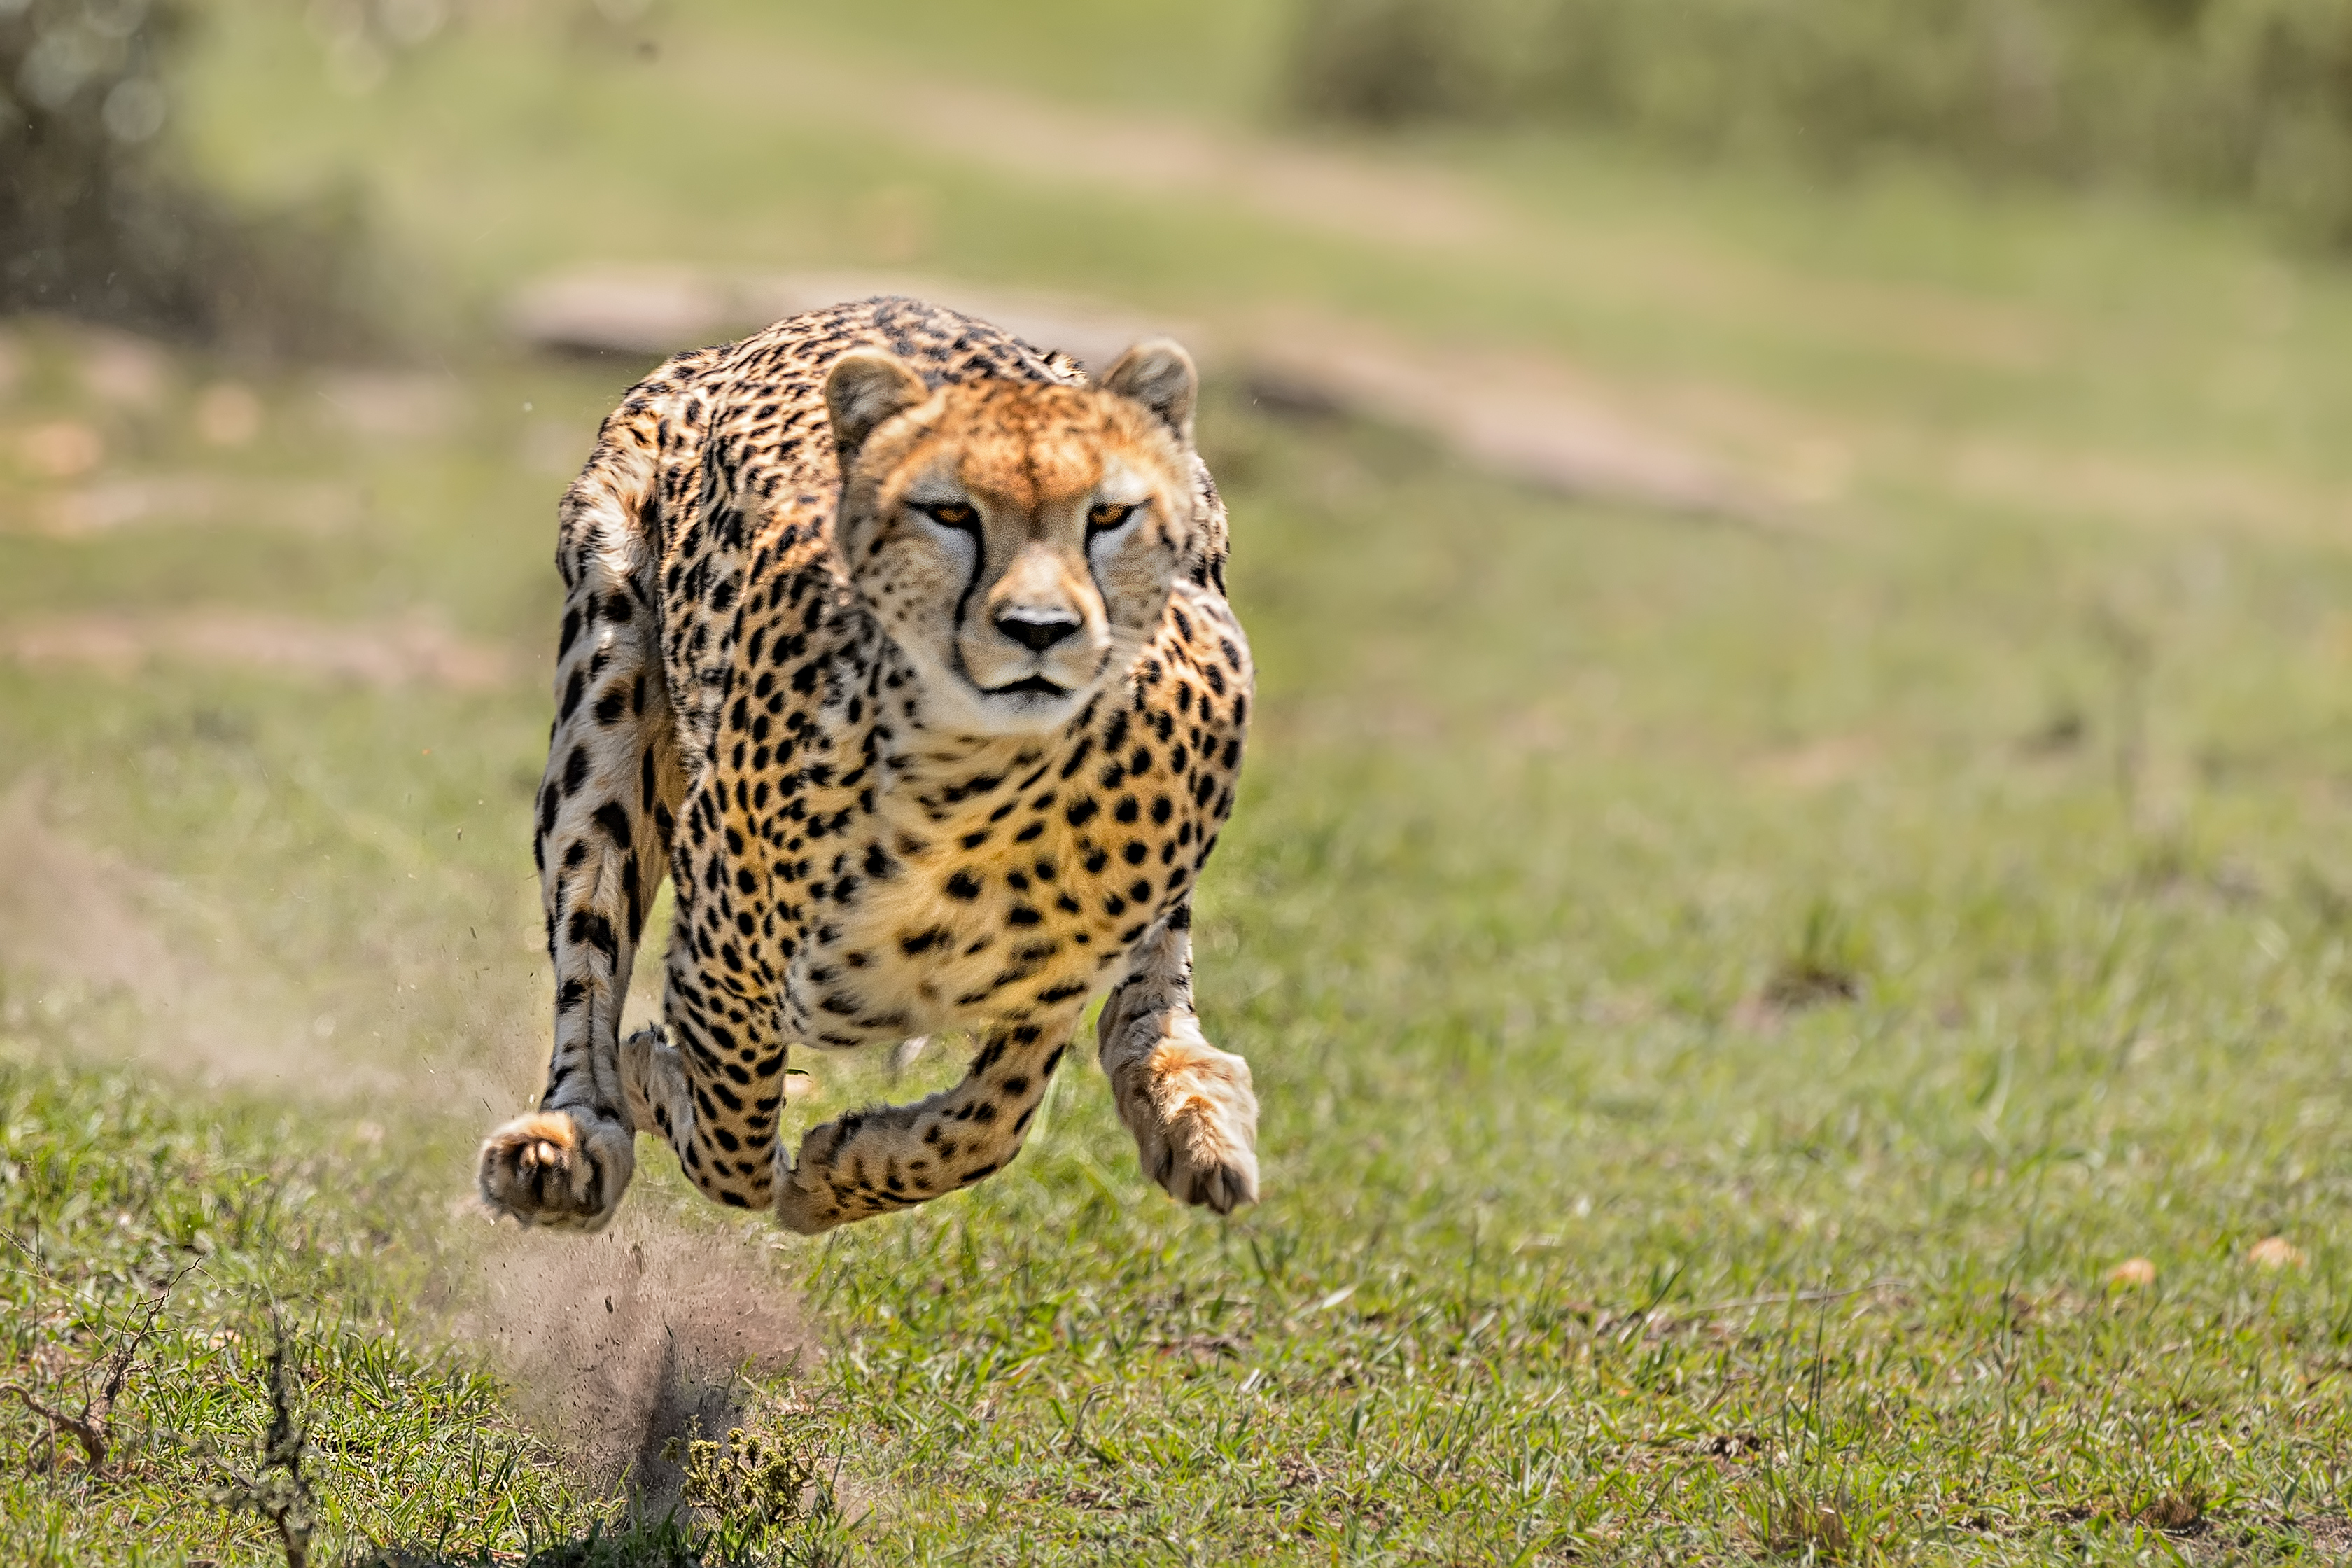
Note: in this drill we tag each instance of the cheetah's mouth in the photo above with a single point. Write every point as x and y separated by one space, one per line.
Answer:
1035 685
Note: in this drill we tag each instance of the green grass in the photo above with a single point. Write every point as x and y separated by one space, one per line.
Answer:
233 1221
1599 1220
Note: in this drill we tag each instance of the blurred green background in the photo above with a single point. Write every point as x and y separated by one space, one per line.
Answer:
1790 906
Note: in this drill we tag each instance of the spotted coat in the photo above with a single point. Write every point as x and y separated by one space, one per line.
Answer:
855 857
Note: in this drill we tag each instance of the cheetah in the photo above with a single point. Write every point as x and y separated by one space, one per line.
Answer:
903 649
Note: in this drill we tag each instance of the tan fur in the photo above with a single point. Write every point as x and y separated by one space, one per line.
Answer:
940 744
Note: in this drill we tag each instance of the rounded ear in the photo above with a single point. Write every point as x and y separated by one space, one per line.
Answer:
864 387
1159 373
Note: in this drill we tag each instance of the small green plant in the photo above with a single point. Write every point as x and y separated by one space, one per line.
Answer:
741 1478
753 1490
2178 1510
1827 965
1811 1526
275 1487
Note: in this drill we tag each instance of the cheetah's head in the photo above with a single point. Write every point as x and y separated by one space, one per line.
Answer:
1018 540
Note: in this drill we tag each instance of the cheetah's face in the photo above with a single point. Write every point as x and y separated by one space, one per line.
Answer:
1017 539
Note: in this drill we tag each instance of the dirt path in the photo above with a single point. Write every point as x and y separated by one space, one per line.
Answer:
414 651
1390 198
193 500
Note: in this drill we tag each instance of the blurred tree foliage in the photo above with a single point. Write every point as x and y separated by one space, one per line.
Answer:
99 220
2248 100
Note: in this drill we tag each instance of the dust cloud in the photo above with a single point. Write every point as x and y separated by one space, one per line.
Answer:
620 1342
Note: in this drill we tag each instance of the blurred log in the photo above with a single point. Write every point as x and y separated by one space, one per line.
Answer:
1520 416
659 311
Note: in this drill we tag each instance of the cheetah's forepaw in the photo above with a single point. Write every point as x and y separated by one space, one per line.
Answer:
1195 1117
557 1168
805 1199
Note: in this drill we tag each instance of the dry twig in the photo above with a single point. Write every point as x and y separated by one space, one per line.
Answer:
276 1488
94 1428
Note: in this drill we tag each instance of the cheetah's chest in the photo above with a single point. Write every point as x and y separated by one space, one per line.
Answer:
1017 900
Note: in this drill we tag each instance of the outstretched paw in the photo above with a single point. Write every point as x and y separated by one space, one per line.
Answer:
557 1168
805 1199
1195 1117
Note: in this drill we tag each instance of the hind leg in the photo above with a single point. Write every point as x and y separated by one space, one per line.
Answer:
892 1157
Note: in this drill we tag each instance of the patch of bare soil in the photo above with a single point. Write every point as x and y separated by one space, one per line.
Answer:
1376 196
123 369
76 922
1810 456
1325 187
1398 204
620 1342
410 652
1818 764
390 406
2135 489
199 500
2329 1536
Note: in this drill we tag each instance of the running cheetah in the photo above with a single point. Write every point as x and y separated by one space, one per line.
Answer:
905 652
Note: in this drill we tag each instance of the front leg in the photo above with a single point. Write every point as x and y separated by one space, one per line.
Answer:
891 1157
606 810
1189 1104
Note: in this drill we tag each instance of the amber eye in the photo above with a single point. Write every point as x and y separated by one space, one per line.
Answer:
1106 515
950 514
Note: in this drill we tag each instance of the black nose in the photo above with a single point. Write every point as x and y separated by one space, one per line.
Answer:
1037 631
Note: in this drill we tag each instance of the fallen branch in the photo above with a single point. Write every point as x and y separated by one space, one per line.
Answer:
94 1428
93 1437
